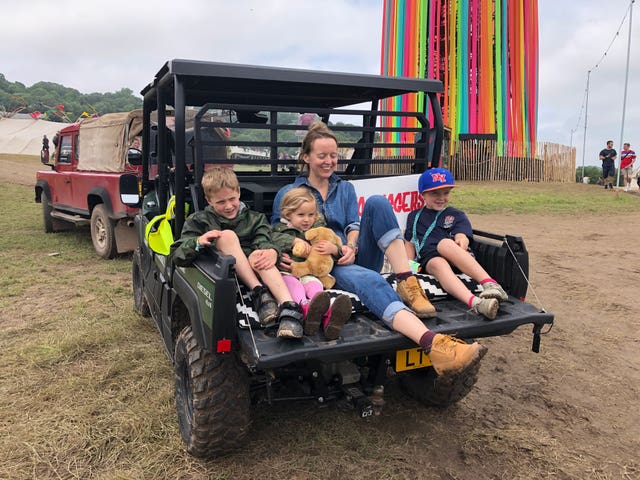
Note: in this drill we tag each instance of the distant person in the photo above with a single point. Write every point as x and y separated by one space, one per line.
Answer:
627 157
438 236
608 156
135 143
234 229
45 149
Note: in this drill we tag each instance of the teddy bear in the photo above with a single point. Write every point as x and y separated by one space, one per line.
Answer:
316 264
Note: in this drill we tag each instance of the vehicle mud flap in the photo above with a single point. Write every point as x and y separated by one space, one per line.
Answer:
362 403
126 236
535 346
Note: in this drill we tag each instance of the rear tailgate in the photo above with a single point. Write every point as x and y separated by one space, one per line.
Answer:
365 335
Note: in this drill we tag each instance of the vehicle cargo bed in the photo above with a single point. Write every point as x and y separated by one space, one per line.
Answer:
365 335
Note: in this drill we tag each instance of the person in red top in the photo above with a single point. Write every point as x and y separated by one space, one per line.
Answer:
627 157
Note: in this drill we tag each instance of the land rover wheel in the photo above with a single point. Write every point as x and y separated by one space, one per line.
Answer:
212 398
429 389
103 232
139 301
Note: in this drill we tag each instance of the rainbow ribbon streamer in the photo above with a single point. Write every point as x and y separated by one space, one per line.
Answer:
486 54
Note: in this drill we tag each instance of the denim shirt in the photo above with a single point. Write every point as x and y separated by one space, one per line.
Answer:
340 210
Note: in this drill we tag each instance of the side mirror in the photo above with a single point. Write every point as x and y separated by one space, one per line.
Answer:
134 156
129 190
44 158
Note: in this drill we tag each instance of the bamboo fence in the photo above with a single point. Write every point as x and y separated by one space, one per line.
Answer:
483 160
510 162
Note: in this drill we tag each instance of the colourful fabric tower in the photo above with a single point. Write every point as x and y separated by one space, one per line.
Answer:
486 54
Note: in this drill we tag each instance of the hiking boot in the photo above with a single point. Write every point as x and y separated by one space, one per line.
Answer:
264 304
450 355
414 297
339 313
487 307
290 316
493 290
314 311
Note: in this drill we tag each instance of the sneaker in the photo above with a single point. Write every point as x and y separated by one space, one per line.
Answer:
487 307
414 297
450 355
290 316
264 304
493 290
314 311
337 316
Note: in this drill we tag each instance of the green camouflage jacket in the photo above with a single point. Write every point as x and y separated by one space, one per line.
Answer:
252 229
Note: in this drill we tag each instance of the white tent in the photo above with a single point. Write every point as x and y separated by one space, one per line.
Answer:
24 135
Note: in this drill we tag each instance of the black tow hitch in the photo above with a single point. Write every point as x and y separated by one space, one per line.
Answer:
359 399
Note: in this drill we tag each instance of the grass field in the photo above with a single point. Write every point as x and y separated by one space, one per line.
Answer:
86 388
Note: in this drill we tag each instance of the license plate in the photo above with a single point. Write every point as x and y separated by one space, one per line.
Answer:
411 359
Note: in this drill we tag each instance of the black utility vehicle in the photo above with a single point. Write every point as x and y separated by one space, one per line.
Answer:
223 360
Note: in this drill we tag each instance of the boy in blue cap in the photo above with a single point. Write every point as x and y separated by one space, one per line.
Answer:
438 235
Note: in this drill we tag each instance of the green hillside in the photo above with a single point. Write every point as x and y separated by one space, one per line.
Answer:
61 104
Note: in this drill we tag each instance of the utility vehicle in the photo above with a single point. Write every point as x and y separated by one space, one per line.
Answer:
81 186
224 361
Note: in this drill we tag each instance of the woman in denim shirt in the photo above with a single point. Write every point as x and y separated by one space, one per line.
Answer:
366 242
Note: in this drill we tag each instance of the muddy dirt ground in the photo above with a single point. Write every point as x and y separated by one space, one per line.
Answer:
569 412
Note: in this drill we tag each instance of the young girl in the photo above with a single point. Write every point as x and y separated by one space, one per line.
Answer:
299 213
437 235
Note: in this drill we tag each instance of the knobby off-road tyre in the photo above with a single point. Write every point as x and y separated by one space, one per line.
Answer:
103 232
212 398
139 301
429 389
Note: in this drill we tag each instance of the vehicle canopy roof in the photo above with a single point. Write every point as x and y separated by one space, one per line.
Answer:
105 140
260 85
188 83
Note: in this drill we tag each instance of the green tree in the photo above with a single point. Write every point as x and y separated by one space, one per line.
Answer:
47 97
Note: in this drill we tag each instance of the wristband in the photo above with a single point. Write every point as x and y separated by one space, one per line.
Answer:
198 246
353 246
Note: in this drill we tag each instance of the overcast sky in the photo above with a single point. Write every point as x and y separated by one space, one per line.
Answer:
104 46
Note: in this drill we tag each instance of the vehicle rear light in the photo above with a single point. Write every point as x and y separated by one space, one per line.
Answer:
223 346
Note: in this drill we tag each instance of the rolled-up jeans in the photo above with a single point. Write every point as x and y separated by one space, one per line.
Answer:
378 228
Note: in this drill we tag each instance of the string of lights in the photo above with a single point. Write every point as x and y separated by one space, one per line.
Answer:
585 97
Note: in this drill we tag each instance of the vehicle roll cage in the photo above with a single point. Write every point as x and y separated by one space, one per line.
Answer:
182 84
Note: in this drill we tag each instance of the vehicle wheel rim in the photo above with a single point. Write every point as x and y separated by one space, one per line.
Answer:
100 232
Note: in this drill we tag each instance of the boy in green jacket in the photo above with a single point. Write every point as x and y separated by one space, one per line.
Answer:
228 225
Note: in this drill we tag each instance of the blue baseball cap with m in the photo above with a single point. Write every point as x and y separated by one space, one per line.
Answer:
435 178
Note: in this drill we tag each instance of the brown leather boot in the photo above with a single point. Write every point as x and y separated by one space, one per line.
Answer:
413 296
450 355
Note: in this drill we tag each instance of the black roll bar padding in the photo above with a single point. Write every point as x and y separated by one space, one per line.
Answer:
146 138
162 151
438 126
180 167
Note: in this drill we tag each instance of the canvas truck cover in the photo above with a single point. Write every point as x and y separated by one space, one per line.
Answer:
104 141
